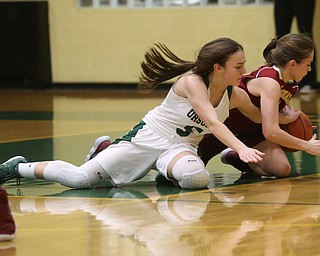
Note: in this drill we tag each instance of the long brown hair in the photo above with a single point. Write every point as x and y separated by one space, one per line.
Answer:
161 64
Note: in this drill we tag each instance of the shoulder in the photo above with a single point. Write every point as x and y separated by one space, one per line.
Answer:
264 71
238 97
267 70
261 82
238 92
265 87
188 83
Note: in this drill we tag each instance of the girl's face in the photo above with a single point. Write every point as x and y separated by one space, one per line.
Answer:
300 70
234 68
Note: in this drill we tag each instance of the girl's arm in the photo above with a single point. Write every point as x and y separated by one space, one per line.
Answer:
240 100
197 93
269 91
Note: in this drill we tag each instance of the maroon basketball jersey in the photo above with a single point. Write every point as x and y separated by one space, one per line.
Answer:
288 90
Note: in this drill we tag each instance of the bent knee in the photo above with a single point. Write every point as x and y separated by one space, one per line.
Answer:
195 180
190 172
284 171
281 171
73 179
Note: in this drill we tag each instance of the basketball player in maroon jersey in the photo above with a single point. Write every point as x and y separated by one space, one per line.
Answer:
270 88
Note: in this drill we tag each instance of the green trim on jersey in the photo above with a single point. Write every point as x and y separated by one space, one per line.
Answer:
229 89
131 134
207 83
206 80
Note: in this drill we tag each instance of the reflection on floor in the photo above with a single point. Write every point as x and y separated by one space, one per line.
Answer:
236 215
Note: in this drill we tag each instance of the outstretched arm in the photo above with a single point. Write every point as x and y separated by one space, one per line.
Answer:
240 100
196 92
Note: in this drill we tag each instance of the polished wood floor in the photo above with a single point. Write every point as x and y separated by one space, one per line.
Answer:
234 216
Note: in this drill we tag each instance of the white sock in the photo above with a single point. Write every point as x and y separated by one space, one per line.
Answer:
26 170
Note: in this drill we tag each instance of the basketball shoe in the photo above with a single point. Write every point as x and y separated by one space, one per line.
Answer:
224 154
7 225
9 169
229 156
99 145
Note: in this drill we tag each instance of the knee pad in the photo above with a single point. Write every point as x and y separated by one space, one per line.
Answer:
73 179
190 173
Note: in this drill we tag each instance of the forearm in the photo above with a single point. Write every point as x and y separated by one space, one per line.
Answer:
282 138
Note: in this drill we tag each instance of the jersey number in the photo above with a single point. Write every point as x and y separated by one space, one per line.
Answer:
187 130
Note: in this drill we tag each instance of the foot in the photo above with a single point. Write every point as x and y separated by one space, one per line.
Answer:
230 157
224 154
9 169
100 144
8 227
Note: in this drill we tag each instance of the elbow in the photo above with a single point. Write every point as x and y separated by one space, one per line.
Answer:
270 135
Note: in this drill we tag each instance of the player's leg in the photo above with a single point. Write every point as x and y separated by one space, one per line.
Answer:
274 163
65 173
209 147
183 166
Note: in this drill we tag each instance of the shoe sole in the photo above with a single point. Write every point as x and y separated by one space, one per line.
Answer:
5 237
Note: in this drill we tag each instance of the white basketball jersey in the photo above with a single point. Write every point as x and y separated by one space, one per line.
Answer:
176 120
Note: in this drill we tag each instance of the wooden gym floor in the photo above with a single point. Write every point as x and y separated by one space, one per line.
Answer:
235 216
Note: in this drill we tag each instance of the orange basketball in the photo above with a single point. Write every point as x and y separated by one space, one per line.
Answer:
300 128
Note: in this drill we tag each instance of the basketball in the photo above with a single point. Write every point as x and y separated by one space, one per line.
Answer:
300 128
